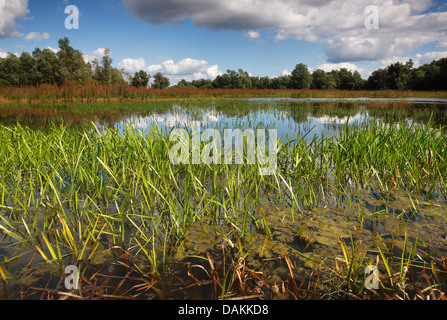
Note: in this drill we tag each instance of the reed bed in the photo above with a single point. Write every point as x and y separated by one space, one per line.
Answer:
72 196
94 92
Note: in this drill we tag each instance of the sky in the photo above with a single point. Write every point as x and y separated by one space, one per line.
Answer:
194 39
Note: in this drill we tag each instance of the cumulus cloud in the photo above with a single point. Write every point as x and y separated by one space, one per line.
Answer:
418 59
328 67
214 14
96 54
252 35
339 24
428 57
132 65
3 53
37 36
55 50
187 68
10 11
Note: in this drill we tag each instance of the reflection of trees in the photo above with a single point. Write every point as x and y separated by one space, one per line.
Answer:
250 113
301 111
341 109
416 112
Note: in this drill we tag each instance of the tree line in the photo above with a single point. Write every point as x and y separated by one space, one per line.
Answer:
68 64
397 76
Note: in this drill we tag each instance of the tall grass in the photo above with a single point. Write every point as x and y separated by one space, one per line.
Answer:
94 92
68 194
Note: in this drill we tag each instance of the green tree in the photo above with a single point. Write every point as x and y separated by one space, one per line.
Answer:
202 83
104 72
301 77
359 82
243 80
72 66
116 76
377 80
222 81
277 83
418 79
346 79
398 76
10 71
140 79
160 81
260 82
29 73
432 76
441 78
47 65
322 80
184 84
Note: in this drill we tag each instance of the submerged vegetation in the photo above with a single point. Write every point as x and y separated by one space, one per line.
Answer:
140 227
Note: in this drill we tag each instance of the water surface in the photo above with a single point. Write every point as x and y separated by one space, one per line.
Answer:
312 116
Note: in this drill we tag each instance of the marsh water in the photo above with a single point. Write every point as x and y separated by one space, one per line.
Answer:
314 116
300 242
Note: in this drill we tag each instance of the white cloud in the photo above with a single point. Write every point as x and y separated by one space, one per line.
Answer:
55 50
328 67
213 71
9 12
172 119
252 35
152 69
96 54
339 24
184 67
3 53
187 68
37 36
132 65
285 72
418 59
428 57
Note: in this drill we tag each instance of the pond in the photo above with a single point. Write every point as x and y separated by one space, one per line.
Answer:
321 117
358 183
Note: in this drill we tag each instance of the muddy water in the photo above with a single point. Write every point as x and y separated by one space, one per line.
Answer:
280 244
312 239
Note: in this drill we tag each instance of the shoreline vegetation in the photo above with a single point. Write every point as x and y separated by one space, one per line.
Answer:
94 92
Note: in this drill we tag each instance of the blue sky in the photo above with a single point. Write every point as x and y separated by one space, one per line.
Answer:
202 38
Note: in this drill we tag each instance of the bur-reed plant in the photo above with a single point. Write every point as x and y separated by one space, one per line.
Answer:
70 193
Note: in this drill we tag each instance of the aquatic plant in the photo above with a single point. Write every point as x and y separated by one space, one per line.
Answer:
68 195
